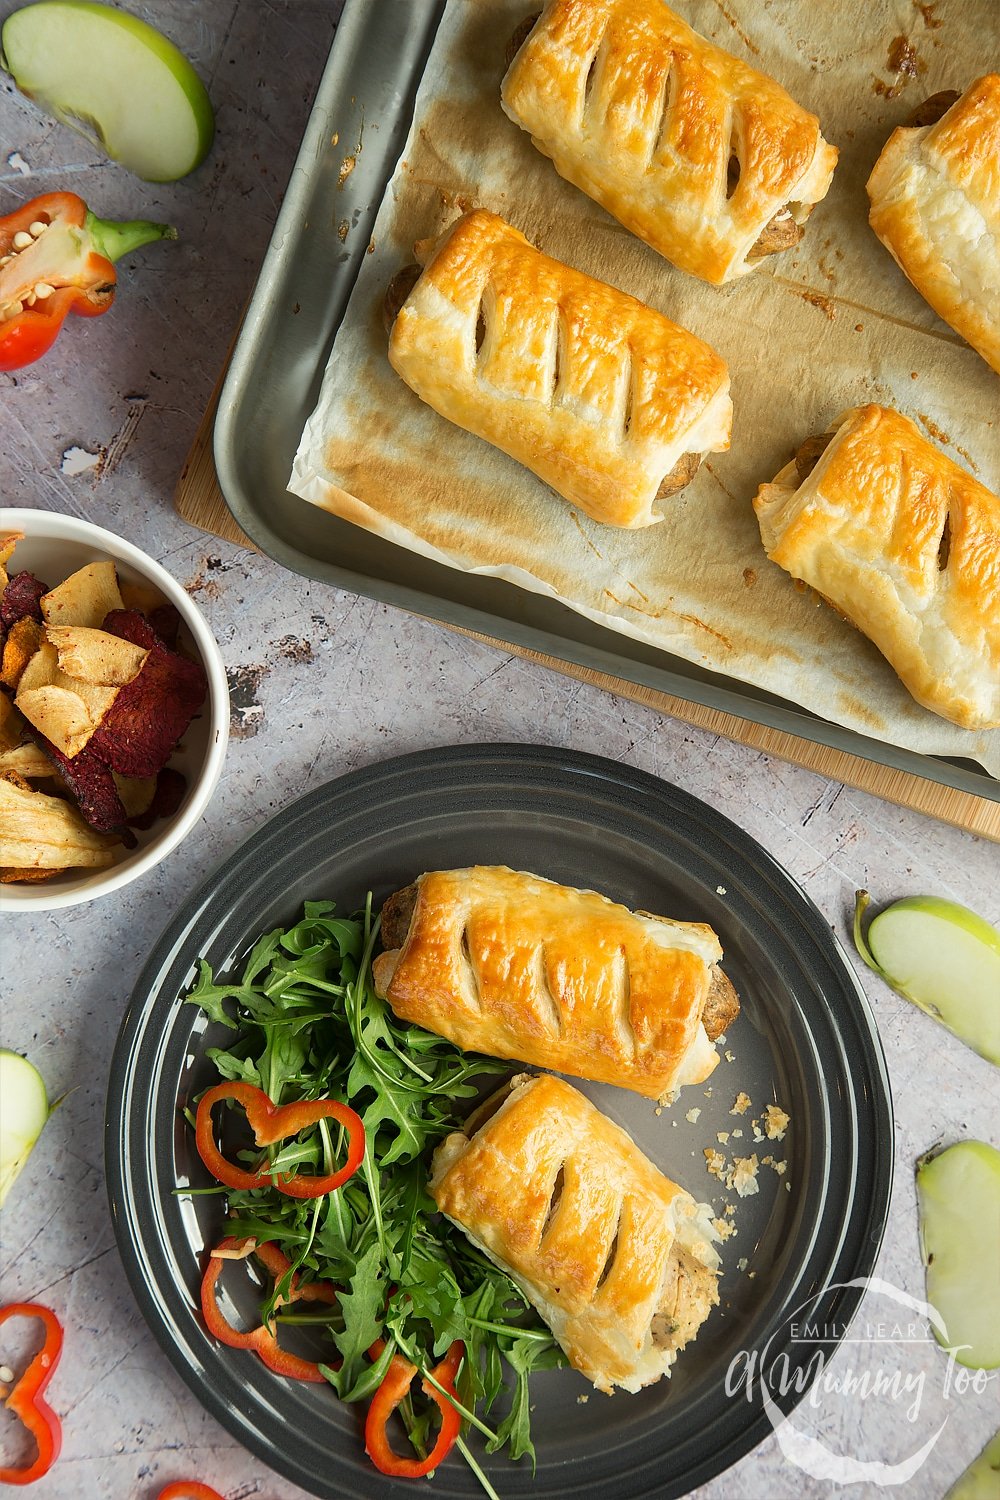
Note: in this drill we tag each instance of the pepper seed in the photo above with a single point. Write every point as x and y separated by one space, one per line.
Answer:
22 239
43 290
37 228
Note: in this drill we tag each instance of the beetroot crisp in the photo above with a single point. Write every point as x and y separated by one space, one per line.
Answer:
170 788
92 784
139 731
20 598
130 625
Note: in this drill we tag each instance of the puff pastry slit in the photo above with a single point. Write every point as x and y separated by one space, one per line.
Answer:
905 545
935 205
618 1259
705 158
604 399
564 979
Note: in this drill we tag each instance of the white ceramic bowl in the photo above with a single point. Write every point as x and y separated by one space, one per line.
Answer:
54 546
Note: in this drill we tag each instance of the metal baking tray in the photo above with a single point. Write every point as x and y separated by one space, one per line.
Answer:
363 111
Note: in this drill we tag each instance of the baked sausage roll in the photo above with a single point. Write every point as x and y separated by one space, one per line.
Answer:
511 965
904 544
694 151
604 399
935 205
617 1259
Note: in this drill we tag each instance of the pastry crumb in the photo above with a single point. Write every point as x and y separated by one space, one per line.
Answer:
742 1104
708 1093
742 1263
743 1175
724 1228
692 1115
737 1135
720 1041
758 1134
729 1056
730 1208
775 1122
715 1163
722 1137
658 1110
582 1400
720 890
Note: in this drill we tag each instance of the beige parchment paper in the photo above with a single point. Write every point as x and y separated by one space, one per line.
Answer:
829 325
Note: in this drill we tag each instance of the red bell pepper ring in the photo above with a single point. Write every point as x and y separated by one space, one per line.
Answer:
270 1123
394 1389
188 1489
56 257
25 1399
261 1340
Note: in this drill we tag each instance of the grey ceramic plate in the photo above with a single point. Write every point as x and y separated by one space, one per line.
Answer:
805 1038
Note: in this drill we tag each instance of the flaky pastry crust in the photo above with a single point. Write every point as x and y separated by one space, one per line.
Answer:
646 116
596 393
615 1256
505 963
935 205
906 545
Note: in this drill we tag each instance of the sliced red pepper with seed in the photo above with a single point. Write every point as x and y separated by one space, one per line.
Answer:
56 257
261 1340
395 1388
271 1123
25 1398
188 1489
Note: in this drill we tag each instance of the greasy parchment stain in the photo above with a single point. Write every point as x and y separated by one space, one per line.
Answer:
374 454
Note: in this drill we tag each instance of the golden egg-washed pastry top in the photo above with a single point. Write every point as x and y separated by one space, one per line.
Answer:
645 116
907 545
506 963
616 1258
597 394
935 205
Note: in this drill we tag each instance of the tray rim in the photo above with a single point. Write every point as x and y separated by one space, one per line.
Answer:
725 694
869 1222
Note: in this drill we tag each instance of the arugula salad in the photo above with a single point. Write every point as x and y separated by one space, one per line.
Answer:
346 1105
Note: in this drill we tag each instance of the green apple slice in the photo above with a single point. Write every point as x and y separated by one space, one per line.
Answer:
24 1109
116 80
981 1480
958 1195
944 958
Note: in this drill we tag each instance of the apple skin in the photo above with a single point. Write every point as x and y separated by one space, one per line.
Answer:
958 1196
24 1109
956 982
981 1480
24 22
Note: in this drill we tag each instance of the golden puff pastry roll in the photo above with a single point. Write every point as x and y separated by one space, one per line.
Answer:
700 155
617 1259
505 963
904 544
935 205
604 399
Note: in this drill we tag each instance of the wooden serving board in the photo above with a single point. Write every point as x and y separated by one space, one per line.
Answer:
199 500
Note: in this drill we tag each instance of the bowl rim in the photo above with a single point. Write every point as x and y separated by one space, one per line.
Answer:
46 525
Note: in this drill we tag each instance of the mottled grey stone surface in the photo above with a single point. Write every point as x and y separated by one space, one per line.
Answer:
324 682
